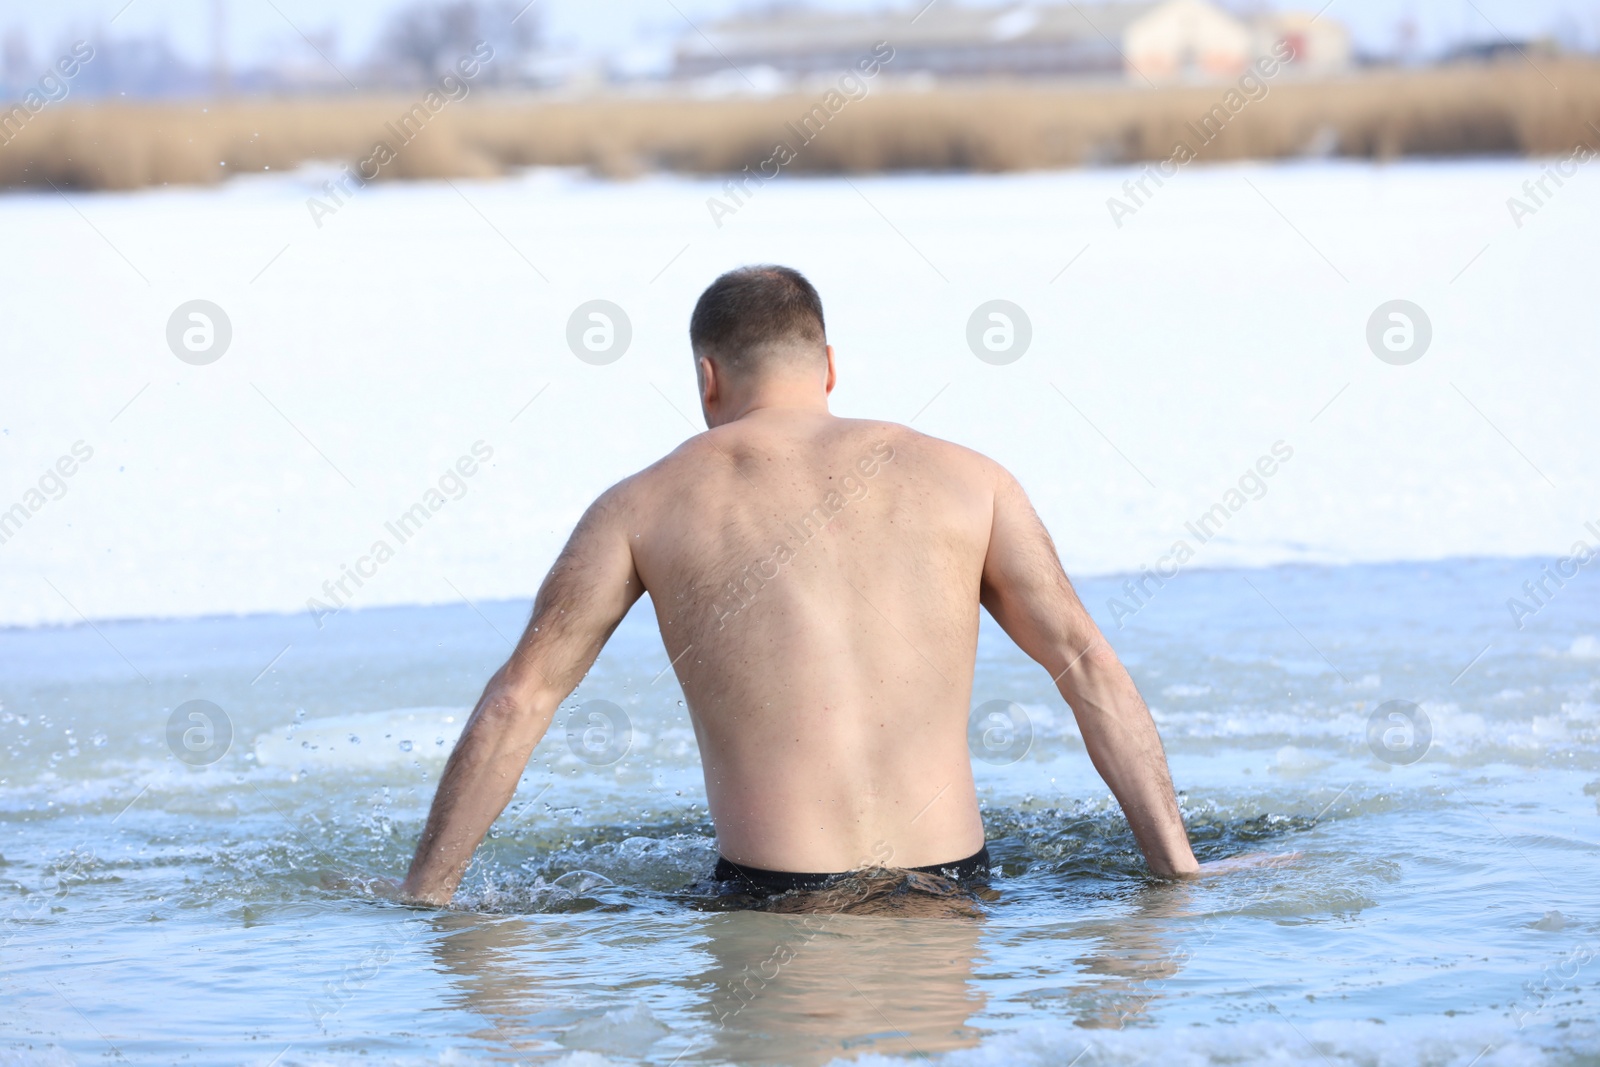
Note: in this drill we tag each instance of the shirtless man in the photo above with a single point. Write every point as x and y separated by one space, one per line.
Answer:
817 583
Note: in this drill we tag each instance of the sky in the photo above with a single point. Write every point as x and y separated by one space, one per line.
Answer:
260 29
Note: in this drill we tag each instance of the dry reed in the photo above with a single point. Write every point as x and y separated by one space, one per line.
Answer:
1496 110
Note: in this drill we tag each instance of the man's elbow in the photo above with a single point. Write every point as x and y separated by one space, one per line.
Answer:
1097 683
1091 660
514 707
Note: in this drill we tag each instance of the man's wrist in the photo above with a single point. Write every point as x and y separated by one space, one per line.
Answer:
1174 859
1175 866
418 892
1186 868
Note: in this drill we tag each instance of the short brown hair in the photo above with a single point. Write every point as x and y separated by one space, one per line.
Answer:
750 316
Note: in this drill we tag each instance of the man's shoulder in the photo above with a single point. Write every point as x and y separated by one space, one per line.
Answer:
683 461
958 459
669 474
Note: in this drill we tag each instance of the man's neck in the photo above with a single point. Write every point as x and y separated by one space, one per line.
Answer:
773 398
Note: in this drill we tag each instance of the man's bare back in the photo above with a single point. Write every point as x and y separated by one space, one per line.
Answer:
817 582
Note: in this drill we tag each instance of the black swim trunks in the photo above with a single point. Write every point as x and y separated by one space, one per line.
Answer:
758 882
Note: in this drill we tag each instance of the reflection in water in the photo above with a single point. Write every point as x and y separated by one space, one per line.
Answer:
803 989
509 974
1123 963
803 982
1131 959
880 962
790 985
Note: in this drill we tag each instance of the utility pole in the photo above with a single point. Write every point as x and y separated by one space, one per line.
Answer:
219 48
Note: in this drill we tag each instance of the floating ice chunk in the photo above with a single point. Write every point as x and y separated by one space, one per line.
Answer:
332 742
1293 762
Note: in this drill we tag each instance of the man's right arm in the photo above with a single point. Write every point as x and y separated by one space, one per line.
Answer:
1029 595
588 591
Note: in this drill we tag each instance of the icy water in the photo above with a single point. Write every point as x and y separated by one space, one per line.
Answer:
1441 907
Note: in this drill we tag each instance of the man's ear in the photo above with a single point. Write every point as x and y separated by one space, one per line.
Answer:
833 373
710 387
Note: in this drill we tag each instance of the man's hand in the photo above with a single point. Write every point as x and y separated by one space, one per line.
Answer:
584 597
379 888
1250 861
1027 592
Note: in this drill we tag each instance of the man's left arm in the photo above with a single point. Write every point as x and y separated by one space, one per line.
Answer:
587 592
1028 594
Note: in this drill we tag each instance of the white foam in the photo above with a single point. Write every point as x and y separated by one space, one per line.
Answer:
1585 647
48 1056
626 1031
1339 1043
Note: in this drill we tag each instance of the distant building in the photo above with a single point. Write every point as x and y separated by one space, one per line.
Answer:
1319 45
1184 40
1156 41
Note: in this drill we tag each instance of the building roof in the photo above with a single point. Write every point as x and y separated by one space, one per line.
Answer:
943 24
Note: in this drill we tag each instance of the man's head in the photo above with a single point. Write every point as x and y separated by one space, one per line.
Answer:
759 319
758 330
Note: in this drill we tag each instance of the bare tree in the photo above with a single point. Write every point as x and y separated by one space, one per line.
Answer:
426 37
